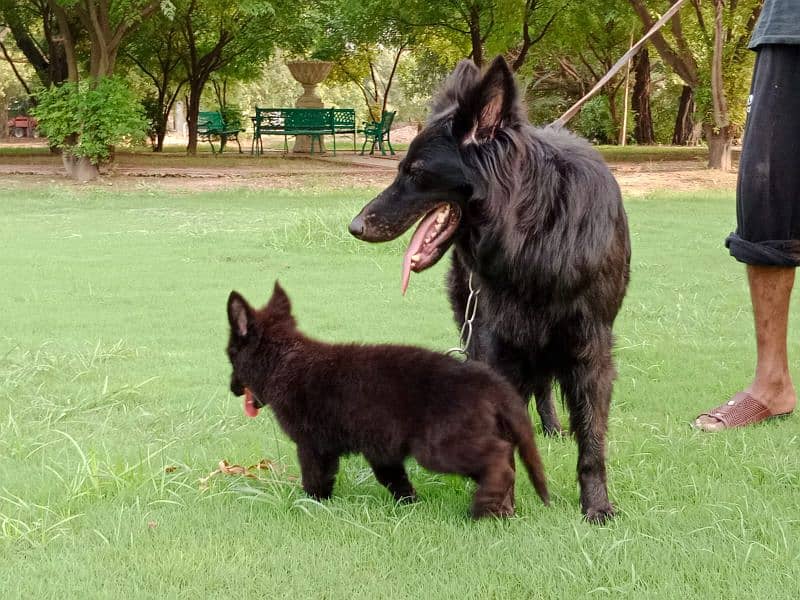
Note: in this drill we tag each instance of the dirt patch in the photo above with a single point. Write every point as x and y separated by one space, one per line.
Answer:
344 171
675 176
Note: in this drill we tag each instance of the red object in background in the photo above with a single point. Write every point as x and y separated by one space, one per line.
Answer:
22 126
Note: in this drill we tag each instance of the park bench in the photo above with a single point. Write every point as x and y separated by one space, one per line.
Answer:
210 124
313 122
376 132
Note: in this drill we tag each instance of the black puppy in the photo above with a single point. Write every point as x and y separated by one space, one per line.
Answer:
536 218
385 402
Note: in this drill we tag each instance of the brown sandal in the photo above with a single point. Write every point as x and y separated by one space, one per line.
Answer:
743 409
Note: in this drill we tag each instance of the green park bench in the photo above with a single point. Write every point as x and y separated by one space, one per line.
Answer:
376 132
313 122
210 125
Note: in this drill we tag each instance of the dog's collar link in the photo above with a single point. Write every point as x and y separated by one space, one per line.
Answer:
466 329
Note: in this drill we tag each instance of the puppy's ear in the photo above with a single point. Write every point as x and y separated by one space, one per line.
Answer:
240 314
279 305
492 105
456 87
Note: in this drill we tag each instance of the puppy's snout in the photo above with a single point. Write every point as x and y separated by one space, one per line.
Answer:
356 227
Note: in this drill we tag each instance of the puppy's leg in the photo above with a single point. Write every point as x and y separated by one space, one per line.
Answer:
587 388
495 493
318 470
395 479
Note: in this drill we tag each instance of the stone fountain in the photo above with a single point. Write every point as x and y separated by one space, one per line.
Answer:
309 73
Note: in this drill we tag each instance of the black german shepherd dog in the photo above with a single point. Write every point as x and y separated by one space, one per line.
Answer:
536 217
385 402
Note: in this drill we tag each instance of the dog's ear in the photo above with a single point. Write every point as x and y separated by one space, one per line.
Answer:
490 107
279 305
456 87
240 314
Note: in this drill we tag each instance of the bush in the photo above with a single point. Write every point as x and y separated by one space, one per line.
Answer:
88 119
594 121
231 115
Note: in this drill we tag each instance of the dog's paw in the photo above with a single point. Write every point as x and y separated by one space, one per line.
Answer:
554 430
599 515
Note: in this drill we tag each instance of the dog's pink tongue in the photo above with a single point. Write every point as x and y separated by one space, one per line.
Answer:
414 246
250 408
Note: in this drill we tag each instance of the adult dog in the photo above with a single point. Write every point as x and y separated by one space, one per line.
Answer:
536 218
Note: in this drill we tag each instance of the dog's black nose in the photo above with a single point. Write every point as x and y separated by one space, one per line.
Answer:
357 226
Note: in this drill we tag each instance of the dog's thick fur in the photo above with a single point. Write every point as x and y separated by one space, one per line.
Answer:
385 402
536 216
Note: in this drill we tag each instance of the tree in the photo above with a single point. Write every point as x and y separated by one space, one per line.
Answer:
155 50
106 23
711 62
581 49
365 42
640 102
218 34
482 27
33 26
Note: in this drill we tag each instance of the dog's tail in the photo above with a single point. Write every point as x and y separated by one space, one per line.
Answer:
518 422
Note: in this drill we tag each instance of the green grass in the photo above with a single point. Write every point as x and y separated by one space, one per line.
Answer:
112 368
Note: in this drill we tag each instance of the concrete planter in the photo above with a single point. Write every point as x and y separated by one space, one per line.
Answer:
309 73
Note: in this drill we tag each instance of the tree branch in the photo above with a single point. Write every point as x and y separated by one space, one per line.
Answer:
14 68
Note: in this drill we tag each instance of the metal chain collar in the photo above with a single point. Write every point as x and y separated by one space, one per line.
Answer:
466 329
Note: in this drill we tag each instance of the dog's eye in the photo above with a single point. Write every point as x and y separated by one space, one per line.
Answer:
416 168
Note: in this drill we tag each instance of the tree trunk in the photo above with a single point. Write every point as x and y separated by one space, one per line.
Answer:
614 113
80 168
4 120
475 35
640 103
684 122
719 137
720 143
192 114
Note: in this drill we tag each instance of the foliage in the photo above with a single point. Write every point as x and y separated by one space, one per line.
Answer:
231 115
88 120
594 121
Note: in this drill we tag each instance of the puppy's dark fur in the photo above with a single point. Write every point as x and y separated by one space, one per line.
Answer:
385 402
536 216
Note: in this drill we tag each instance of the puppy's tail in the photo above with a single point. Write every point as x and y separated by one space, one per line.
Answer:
518 421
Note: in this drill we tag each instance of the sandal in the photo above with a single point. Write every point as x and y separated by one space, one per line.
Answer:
742 409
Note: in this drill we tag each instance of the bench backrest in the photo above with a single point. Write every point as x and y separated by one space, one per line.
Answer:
387 119
209 121
270 119
309 119
344 119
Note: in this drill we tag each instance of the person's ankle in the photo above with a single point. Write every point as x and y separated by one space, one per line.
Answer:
775 391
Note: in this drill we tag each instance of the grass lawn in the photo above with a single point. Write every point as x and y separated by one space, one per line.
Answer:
114 403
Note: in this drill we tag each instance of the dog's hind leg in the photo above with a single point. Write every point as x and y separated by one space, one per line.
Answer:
495 494
318 471
395 479
543 393
587 388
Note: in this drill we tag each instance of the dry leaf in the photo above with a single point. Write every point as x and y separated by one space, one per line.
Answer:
225 468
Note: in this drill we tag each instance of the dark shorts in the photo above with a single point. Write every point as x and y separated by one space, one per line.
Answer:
768 189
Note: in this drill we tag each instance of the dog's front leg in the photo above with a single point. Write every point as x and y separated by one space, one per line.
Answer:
318 470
